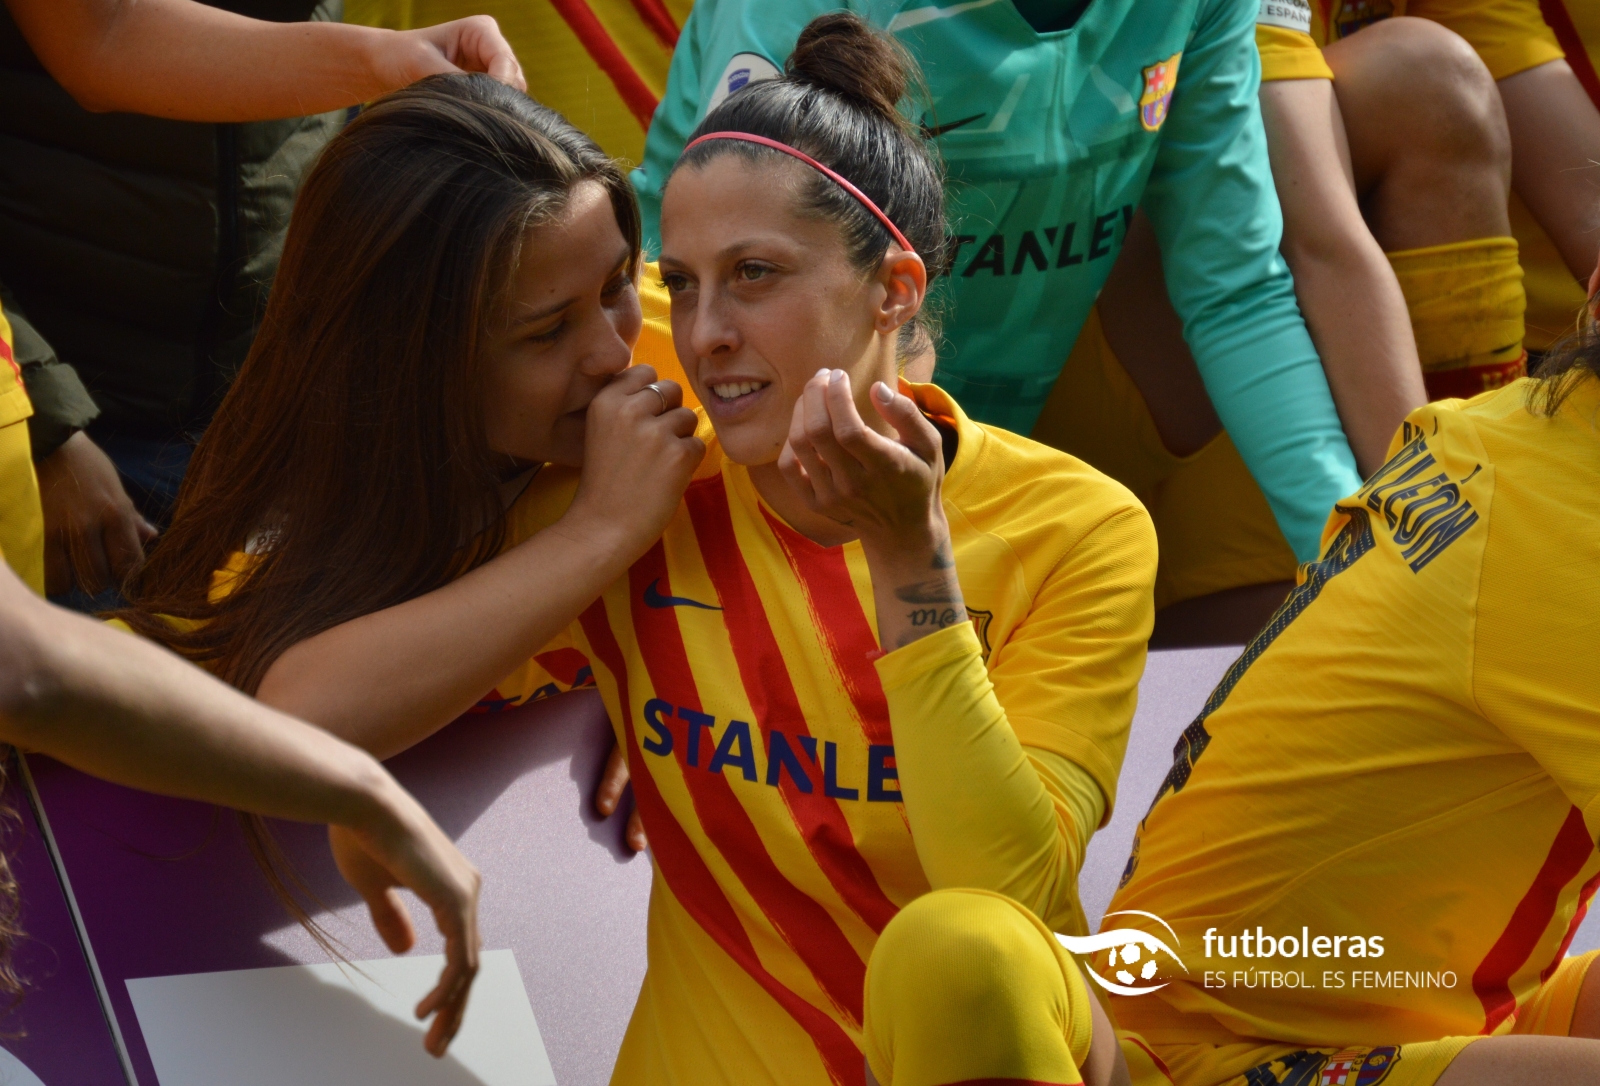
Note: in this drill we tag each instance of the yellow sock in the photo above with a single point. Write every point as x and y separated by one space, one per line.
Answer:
1466 303
967 986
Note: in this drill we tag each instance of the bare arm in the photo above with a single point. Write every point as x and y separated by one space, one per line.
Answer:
1555 157
388 680
187 61
1347 290
124 709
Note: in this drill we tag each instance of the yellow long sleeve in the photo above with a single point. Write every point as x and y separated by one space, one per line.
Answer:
1008 765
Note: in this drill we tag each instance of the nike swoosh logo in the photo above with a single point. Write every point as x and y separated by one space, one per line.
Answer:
931 133
654 598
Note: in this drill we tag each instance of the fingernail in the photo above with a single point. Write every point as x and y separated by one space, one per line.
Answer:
836 376
823 372
885 393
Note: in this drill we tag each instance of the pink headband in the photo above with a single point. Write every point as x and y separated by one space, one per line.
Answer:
866 201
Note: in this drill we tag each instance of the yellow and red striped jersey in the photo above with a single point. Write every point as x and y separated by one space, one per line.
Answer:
14 403
602 64
1393 796
739 663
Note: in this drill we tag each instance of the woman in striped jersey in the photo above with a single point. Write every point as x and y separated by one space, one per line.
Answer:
873 681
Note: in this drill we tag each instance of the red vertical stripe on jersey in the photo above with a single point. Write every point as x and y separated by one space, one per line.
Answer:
772 697
1585 895
802 921
824 574
696 887
1571 42
654 14
5 352
638 97
1492 979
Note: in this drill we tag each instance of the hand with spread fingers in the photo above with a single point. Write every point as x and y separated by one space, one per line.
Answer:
883 483
408 850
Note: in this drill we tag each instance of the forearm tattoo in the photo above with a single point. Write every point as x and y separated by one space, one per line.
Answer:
936 601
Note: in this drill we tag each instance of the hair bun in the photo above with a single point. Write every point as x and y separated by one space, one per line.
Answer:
840 52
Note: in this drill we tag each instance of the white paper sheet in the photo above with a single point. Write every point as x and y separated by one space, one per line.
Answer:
13 1072
315 1025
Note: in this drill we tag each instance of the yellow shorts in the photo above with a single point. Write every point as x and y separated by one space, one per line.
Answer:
1213 524
1510 36
1547 1014
21 521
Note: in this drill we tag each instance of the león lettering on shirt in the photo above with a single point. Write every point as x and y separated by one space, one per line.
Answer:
1423 508
693 735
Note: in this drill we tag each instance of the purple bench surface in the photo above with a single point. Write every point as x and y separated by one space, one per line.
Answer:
58 1032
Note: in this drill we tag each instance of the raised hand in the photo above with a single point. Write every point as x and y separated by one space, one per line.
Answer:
640 451
886 490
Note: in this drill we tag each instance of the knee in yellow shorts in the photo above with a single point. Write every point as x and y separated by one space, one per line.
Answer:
968 985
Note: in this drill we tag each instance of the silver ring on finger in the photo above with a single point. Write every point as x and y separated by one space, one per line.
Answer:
653 387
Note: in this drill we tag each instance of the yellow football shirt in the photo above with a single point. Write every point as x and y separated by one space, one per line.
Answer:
602 64
1402 773
21 521
739 663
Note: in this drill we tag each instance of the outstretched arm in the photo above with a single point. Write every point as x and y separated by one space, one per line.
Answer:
121 708
1212 203
190 62
1347 290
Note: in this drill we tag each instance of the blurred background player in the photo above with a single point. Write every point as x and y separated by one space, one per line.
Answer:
1425 166
1058 119
137 250
602 64
1397 90
1546 71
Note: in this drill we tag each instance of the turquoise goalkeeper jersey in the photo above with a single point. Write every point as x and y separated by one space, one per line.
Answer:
1050 141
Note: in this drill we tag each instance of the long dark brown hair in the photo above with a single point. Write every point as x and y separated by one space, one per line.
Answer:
350 455
1570 361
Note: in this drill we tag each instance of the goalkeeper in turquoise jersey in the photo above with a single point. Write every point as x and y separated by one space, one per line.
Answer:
1052 137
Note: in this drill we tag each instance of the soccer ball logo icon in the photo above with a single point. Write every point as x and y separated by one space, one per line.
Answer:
1134 957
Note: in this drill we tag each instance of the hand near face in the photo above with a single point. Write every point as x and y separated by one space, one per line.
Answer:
887 491
640 451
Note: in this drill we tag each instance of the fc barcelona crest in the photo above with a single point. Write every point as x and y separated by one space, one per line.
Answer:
1159 81
980 626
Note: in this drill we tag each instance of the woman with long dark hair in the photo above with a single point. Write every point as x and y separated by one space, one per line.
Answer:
454 319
